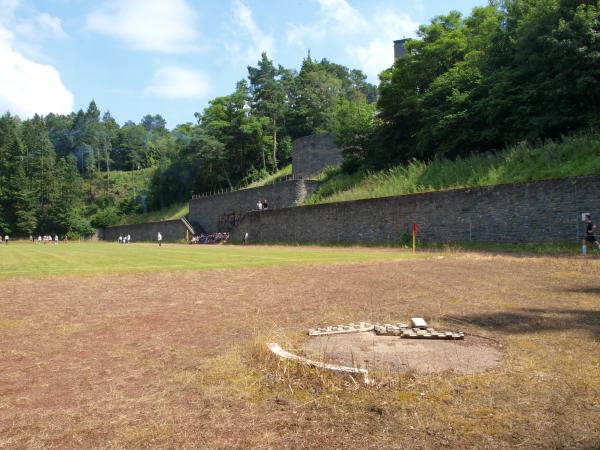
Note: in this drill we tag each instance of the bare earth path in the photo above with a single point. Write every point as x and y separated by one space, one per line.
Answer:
170 359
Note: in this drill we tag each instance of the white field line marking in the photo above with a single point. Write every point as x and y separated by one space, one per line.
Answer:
275 348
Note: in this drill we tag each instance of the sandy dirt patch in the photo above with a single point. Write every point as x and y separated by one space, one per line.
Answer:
390 353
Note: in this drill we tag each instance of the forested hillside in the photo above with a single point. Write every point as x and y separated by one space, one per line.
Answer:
512 72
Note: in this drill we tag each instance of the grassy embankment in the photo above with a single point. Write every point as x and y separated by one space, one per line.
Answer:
175 211
280 175
573 156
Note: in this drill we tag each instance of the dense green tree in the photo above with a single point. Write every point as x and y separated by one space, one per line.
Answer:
61 133
40 161
4 225
267 96
65 215
542 70
154 123
17 209
403 88
353 125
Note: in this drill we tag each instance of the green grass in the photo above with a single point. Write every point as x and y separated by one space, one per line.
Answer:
565 248
175 211
573 156
29 260
273 178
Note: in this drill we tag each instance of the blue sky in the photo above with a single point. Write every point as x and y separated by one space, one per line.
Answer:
137 57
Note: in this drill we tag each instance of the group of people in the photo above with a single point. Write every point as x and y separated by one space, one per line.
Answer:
47 239
262 204
124 239
212 238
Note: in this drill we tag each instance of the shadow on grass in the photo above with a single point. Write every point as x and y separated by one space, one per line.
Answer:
532 320
584 290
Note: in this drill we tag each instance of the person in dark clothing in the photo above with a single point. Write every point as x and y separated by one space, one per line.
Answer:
590 235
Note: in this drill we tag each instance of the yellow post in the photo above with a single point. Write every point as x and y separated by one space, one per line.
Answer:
187 235
414 230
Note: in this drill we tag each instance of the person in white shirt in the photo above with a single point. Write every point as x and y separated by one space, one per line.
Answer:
6 239
56 239
159 239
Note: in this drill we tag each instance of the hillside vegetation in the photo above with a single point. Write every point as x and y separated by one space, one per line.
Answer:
573 156
280 175
175 211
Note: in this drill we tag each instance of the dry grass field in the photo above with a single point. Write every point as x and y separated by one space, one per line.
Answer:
177 359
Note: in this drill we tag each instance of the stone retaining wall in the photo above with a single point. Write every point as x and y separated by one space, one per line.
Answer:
171 231
538 211
221 211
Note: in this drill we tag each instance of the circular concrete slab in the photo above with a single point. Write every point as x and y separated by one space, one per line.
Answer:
391 353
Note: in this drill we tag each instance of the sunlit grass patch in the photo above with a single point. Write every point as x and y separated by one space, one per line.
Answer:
24 259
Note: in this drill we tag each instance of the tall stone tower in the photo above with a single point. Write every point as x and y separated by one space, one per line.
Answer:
399 49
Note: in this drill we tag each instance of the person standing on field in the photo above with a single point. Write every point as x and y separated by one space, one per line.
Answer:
159 239
6 239
590 235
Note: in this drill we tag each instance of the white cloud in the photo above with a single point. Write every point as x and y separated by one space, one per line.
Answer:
167 26
29 28
178 83
7 9
26 86
340 14
333 17
42 26
368 37
377 53
298 34
259 42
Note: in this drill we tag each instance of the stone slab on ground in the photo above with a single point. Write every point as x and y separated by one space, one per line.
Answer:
373 352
